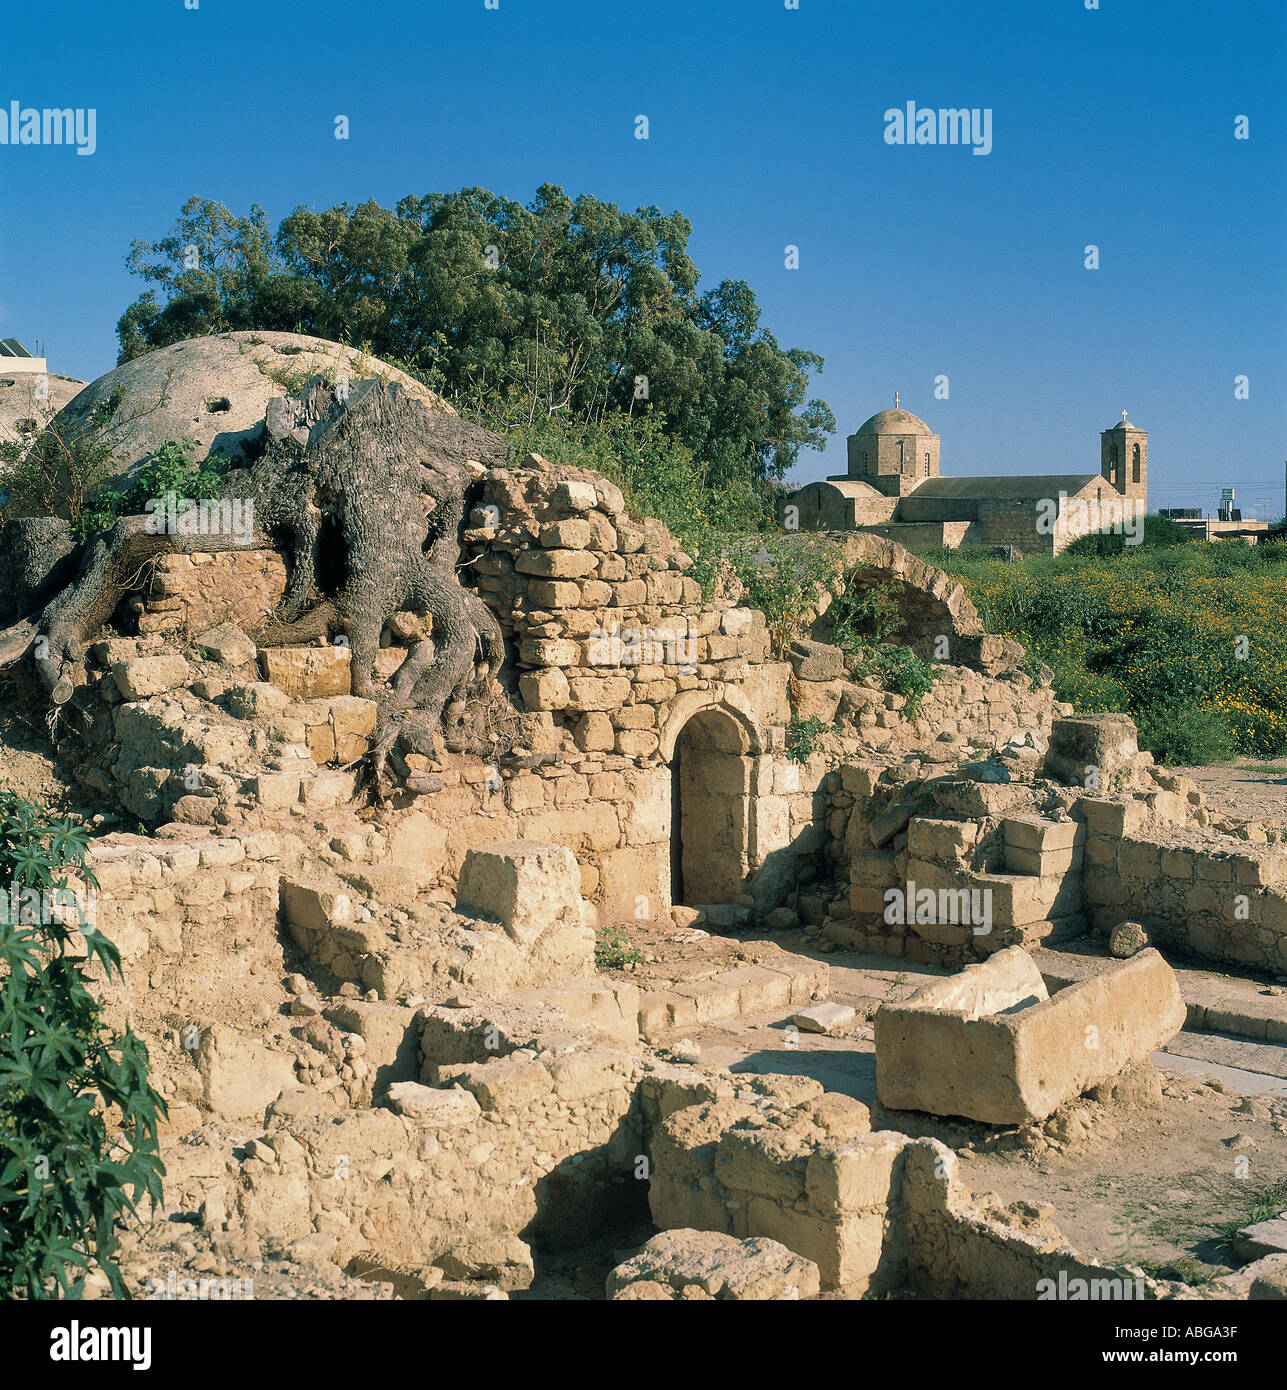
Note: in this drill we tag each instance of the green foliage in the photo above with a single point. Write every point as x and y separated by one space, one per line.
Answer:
60 471
1160 533
171 470
802 737
560 309
1190 640
862 619
64 1180
785 577
904 673
862 616
1186 735
613 951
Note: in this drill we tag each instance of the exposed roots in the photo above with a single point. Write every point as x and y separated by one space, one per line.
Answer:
366 492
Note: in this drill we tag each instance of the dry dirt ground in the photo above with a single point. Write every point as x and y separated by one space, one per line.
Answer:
1247 791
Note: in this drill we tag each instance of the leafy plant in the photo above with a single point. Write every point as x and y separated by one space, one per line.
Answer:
802 737
785 577
171 471
65 1178
613 951
871 615
901 672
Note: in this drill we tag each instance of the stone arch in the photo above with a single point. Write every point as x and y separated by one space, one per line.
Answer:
711 745
731 703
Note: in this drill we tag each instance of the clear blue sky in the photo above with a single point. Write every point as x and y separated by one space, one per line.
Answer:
1112 126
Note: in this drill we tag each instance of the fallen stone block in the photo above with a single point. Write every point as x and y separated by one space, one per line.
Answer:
1087 750
526 886
426 1105
816 661
991 1045
228 644
824 1018
240 1078
504 1261
143 676
1126 939
1262 1239
719 1266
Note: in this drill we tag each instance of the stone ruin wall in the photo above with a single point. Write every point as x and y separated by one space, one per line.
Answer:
555 555
1059 862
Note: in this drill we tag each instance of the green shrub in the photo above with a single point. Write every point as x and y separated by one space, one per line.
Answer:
64 1179
1185 735
613 951
170 471
865 616
802 737
1160 533
904 673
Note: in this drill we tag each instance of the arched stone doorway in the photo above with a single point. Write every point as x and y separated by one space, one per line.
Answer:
710 809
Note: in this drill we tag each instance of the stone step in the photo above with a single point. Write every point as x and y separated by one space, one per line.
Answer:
791 981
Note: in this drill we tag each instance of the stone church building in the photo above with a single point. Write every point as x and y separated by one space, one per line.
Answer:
893 488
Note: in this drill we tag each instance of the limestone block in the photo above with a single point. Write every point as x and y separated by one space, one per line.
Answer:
596 693
228 644
509 1083
987 1045
554 593
719 1266
547 689
426 1105
1033 833
1126 939
816 661
570 534
556 564
945 842
525 885
307 673
258 701
1103 742
504 1262
240 1078
550 651
824 1018
574 496
850 1174
142 676
353 722
769 1162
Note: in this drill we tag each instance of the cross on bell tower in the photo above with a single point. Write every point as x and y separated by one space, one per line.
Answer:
1123 460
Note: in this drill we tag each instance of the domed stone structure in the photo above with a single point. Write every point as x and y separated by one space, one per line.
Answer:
30 394
894 451
894 421
215 390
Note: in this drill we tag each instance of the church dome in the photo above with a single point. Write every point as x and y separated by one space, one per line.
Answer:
894 421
